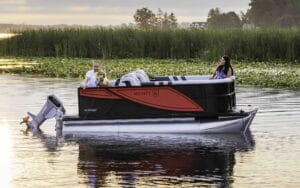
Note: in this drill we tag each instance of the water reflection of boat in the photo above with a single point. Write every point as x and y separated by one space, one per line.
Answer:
176 160
171 104
50 142
107 160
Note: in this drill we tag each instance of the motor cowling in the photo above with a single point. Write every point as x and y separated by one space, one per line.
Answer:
53 108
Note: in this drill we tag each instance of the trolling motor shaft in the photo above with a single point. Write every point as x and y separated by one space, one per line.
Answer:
52 108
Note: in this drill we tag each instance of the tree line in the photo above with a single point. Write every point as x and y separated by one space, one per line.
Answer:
261 13
146 18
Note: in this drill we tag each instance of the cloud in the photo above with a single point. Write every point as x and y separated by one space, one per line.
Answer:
68 19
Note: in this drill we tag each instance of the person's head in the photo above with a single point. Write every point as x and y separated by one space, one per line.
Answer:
225 64
225 61
96 66
101 75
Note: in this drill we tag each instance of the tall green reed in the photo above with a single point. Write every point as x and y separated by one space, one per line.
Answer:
108 43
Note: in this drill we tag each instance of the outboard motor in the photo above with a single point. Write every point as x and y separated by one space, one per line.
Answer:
52 108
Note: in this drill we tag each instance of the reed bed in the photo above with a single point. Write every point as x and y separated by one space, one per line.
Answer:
105 43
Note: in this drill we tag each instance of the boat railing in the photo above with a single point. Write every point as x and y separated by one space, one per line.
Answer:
140 78
189 80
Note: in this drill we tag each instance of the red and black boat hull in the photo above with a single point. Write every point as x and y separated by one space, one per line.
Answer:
157 101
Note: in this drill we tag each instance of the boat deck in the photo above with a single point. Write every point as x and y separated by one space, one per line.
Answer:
224 124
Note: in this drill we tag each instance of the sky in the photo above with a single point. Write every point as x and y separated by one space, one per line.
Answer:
107 12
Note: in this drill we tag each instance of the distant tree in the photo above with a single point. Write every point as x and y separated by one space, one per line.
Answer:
214 12
144 18
218 20
159 18
287 21
274 13
173 20
168 20
244 18
165 20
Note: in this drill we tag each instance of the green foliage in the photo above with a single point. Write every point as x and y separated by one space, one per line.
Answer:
274 13
164 20
218 20
254 45
146 19
265 74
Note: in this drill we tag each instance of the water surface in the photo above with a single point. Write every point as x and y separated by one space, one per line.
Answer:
267 157
6 35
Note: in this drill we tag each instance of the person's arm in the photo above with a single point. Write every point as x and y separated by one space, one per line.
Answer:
86 80
105 80
213 76
229 72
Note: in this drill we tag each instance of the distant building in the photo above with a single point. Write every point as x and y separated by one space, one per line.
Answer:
198 25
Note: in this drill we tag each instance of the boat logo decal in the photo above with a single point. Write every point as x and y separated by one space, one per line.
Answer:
163 97
152 92
90 110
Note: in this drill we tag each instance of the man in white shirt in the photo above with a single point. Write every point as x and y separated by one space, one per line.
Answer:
92 75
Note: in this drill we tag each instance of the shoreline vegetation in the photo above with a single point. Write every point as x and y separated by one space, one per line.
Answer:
275 74
260 57
128 43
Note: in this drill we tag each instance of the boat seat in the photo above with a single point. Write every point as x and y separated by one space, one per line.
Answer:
157 83
184 80
134 78
141 75
171 78
140 78
129 79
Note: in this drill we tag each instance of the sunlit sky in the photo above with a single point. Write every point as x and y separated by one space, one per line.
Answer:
107 12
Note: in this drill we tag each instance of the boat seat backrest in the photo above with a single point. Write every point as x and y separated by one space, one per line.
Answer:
129 79
156 83
142 76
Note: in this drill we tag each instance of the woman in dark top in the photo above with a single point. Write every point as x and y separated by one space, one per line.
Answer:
224 69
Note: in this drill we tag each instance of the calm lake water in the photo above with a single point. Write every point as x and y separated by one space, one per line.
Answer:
268 157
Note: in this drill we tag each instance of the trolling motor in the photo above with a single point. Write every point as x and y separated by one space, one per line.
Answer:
52 108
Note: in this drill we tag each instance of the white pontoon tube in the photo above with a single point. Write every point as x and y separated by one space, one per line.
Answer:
53 108
229 125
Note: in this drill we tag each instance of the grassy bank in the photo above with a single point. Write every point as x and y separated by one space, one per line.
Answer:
251 45
266 74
